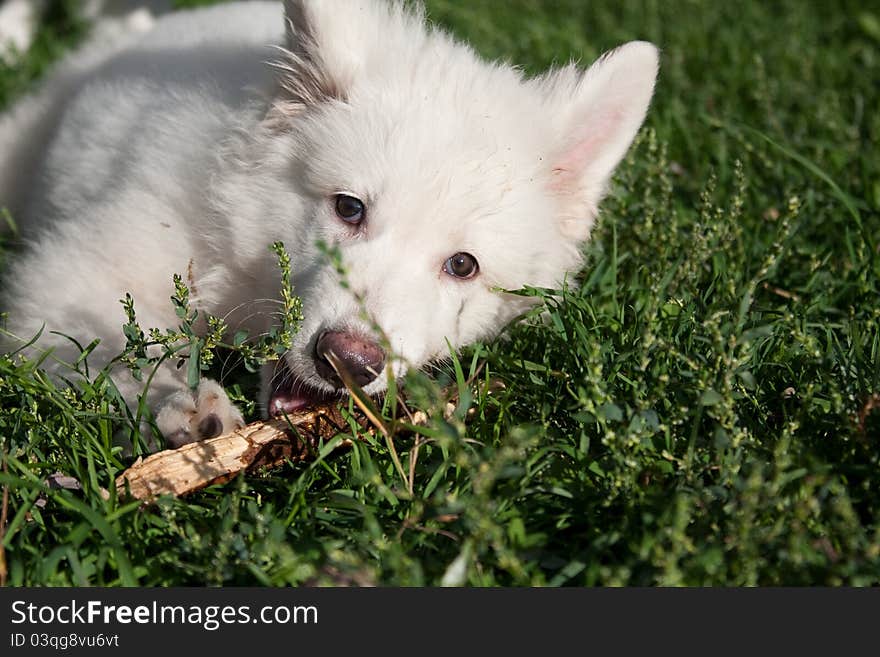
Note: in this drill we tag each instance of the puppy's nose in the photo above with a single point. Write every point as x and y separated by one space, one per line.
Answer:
361 358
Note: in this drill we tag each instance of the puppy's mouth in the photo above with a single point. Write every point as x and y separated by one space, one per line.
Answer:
360 363
290 394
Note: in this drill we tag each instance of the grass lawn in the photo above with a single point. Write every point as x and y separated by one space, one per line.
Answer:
702 409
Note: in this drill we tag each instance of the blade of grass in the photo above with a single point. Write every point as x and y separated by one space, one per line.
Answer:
369 408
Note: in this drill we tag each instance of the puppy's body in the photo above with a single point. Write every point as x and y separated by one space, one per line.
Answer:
120 199
181 151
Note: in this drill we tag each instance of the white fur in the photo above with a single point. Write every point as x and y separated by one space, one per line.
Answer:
184 152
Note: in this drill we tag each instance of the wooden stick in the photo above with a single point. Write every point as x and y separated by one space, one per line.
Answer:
217 460
257 445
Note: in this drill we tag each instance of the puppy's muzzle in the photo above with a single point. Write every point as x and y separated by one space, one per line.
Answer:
362 358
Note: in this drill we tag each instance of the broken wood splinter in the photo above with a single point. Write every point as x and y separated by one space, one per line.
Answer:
260 444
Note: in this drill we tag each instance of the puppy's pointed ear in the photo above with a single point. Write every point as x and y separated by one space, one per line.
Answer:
296 20
311 69
600 112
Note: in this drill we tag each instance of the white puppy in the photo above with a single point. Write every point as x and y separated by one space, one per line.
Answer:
440 178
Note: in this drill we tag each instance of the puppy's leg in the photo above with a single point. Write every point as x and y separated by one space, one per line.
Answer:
47 297
189 416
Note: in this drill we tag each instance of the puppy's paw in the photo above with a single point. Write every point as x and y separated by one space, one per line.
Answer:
186 417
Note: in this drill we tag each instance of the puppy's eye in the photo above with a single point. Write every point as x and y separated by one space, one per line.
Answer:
349 209
461 265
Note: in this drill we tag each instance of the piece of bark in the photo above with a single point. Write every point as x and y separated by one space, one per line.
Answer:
259 444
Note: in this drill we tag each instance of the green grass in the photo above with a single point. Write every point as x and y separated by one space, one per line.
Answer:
700 410
61 29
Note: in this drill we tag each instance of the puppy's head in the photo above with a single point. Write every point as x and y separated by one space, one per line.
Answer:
441 180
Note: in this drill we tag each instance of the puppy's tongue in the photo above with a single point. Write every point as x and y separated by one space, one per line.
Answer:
283 401
294 397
